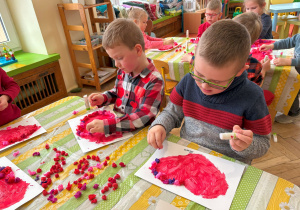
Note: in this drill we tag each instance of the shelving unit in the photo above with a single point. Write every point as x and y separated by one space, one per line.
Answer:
88 47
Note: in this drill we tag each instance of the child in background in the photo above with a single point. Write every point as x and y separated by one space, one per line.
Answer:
216 97
9 89
258 7
140 17
256 70
138 89
213 14
286 44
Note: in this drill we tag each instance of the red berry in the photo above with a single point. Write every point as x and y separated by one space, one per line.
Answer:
55 149
97 159
79 185
55 192
61 169
80 161
106 188
76 171
43 179
92 197
94 201
79 180
102 191
75 163
82 172
47 146
88 157
69 188
109 185
91 176
56 175
93 157
63 162
66 154
63 152
117 176
114 165
62 158
115 185
105 163
103 197
79 166
44 185
75 182
107 158
39 170
49 181
45 192
109 179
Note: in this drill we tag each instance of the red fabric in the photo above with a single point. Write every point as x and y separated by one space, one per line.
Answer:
152 42
153 10
202 28
261 127
10 88
269 97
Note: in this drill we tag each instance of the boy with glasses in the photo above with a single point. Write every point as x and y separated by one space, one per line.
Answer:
213 14
216 97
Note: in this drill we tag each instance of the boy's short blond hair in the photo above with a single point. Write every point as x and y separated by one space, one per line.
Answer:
123 31
137 13
225 41
252 22
214 5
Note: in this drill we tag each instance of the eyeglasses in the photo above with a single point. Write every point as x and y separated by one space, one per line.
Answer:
211 14
211 84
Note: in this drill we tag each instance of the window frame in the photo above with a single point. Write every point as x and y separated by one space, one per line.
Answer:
14 42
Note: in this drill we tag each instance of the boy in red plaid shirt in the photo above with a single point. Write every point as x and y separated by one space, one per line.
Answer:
138 90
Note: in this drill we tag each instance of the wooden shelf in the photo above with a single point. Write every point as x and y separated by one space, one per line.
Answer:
88 47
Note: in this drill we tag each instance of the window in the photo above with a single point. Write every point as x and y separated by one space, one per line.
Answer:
8 34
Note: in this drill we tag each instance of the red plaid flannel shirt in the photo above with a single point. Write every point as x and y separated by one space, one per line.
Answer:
138 98
254 70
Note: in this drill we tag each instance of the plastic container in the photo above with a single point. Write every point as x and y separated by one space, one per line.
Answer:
189 5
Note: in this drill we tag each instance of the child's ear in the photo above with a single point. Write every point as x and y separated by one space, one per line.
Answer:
139 49
135 21
242 70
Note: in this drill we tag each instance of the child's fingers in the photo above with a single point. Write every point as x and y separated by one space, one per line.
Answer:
89 126
235 146
159 136
151 139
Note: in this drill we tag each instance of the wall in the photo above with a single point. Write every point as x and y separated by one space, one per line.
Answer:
40 30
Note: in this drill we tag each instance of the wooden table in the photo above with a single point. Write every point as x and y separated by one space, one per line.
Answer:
283 81
257 189
281 8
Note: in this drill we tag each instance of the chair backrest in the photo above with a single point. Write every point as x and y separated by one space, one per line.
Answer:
275 35
161 65
281 1
149 27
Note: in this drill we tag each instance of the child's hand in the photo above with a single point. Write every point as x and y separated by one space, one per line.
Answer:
266 47
283 61
156 136
266 66
168 41
3 102
186 58
96 99
95 126
243 139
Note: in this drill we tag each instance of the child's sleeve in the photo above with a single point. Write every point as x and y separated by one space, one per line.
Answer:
9 86
289 43
143 115
153 43
254 71
172 116
258 120
200 31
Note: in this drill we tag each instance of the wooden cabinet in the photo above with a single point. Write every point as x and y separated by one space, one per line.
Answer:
89 48
39 87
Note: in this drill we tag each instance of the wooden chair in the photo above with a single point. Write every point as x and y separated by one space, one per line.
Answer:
275 35
163 68
296 28
149 27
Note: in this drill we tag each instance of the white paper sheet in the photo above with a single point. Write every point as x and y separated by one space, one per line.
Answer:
85 144
233 172
33 189
24 122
